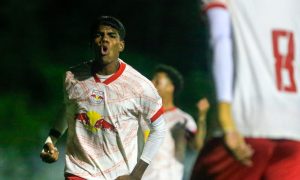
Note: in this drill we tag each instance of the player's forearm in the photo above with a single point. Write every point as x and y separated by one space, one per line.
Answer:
225 117
53 136
155 139
60 125
139 169
201 132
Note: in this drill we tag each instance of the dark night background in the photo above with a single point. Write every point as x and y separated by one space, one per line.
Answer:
39 40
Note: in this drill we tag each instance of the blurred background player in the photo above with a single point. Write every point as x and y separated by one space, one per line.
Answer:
257 76
104 103
182 129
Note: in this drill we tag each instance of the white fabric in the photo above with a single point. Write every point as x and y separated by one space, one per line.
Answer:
166 164
104 77
103 152
262 107
220 39
155 139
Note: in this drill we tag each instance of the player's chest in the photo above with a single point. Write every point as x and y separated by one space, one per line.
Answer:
106 107
115 99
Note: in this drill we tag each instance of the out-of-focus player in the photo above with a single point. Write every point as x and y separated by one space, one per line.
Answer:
182 129
257 76
104 103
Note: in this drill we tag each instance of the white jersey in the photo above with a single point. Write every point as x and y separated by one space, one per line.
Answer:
168 162
104 139
266 98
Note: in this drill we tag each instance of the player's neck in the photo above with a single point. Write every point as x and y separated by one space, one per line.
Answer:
168 102
107 69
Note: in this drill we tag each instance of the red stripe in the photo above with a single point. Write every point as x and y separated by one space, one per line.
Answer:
72 177
114 76
157 114
214 5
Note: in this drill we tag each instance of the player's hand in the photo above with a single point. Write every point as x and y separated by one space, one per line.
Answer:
203 106
49 153
127 177
238 147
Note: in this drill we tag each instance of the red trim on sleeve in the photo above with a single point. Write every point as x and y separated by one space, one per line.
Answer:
214 5
157 114
114 76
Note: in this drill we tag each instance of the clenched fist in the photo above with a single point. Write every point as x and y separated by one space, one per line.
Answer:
49 153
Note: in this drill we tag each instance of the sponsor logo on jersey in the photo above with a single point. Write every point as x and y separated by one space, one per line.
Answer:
97 96
93 121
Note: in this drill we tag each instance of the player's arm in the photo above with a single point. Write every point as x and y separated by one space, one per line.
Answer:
49 152
203 107
153 143
221 42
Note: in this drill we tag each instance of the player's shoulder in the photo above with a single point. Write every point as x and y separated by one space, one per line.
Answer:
81 71
139 78
190 122
184 114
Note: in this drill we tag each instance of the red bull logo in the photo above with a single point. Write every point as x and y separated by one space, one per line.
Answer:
93 121
97 96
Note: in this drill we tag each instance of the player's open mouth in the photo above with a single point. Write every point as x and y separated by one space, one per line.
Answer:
104 50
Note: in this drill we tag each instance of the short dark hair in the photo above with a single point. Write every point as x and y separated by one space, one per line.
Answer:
174 75
108 21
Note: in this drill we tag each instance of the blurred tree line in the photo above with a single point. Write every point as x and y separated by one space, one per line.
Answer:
41 39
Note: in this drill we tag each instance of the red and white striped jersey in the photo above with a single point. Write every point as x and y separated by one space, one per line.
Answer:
104 139
266 98
168 162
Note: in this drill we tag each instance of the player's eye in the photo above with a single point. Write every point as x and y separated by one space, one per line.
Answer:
98 34
113 36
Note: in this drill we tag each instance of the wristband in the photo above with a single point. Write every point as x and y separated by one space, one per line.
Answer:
55 133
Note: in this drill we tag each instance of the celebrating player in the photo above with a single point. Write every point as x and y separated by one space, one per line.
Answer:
182 129
105 100
259 106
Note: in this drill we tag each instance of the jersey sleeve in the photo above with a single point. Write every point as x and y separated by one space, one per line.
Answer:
191 125
152 109
72 87
222 58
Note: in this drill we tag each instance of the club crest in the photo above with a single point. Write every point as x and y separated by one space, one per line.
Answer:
97 96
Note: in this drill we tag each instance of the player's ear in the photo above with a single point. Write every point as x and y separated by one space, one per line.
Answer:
121 46
171 88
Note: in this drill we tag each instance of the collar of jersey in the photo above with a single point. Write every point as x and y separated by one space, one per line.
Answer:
114 76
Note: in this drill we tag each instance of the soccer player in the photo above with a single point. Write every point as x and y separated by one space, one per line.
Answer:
105 100
182 129
256 69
